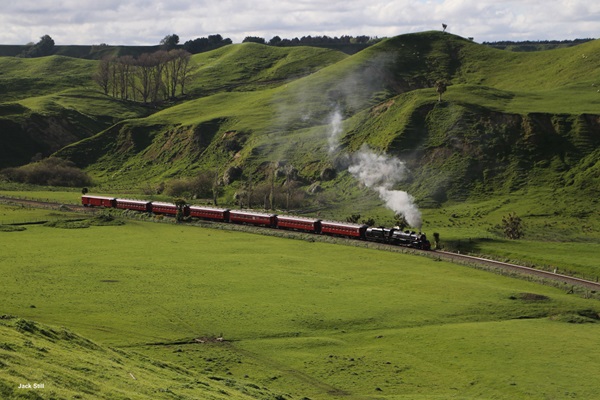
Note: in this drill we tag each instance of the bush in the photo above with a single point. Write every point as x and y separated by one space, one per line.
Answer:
49 172
512 226
200 186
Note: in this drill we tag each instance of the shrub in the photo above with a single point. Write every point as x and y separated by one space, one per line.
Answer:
512 225
200 186
48 172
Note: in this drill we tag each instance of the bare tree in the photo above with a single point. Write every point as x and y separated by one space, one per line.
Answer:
124 72
160 60
274 167
144 72
184 69
154 76
290 175
176 65
102 75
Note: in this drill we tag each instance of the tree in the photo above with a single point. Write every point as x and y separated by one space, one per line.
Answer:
440 88
144 73
124 74
102 74
169 42
180 70
180 204
275 40
400 221
216 187
369 221
436 240
44 47
156 73
199 45
274 167
290 174
353 219
254 39
512 226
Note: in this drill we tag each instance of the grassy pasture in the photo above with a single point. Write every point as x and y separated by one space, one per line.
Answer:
558 232
26 77
558 237
304 318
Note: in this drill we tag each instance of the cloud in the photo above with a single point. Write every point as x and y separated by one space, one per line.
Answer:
146 22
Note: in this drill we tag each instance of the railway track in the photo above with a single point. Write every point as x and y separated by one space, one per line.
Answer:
443 255
520 269
43 204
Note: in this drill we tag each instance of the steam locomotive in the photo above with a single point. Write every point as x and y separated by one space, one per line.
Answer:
393 236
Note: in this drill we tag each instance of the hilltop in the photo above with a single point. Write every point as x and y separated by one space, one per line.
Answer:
507 121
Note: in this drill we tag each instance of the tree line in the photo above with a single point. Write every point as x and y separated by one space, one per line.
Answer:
314 40
148 78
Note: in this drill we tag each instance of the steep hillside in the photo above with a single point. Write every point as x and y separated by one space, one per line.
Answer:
456 149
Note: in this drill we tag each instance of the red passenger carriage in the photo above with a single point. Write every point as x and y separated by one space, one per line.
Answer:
253 218
343 229
98 201
215 214
138 205
165 208
300 224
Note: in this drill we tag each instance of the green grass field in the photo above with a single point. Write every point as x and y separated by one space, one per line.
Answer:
304 319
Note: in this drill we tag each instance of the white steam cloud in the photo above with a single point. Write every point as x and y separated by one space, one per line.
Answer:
335 124
379 173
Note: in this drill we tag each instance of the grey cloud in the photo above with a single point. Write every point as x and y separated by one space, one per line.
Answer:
148 21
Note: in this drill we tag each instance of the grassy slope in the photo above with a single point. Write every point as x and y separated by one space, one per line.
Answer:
49 103
23 78
307 319
70 366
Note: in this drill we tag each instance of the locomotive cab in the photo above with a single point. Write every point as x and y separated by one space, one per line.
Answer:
379 234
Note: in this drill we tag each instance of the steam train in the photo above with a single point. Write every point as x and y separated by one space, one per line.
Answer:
392 236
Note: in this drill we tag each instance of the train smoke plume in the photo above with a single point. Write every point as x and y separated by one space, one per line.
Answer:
335 124
379 173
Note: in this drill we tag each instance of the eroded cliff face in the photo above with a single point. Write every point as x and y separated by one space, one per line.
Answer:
454 150
29 136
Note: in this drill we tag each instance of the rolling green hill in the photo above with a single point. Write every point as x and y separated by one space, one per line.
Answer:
508 120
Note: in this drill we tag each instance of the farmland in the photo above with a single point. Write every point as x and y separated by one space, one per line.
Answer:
297 318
